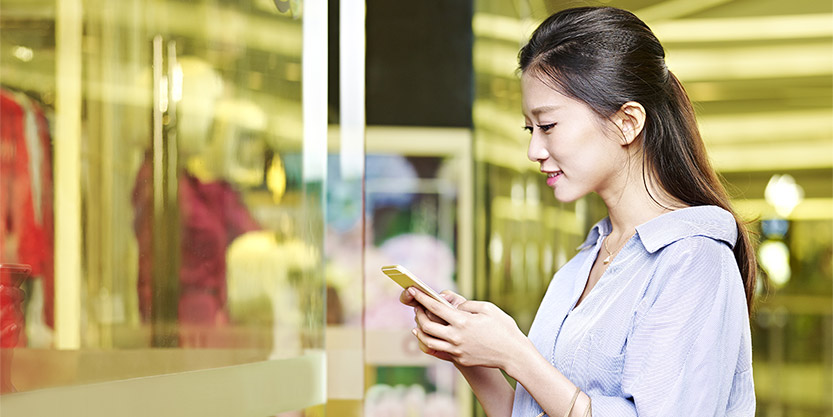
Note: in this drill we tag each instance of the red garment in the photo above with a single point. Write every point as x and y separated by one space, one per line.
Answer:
12 318
26 205
211 217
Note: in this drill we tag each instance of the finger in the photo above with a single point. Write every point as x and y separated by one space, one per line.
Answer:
434 317
431 316
440 331
440 310
405 297
453 298
435 353
477 307
431 342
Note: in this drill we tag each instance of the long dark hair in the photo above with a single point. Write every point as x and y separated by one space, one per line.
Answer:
606 57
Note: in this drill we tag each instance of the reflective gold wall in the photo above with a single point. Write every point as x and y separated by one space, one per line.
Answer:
760 74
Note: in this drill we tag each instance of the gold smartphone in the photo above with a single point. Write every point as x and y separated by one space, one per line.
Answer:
407 279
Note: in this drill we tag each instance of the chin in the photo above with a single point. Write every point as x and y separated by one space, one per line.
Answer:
566 196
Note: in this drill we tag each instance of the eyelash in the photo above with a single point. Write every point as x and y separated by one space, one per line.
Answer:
544 128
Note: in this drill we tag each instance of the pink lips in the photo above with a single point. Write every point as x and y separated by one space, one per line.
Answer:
552 177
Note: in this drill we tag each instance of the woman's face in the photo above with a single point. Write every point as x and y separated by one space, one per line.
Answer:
576 150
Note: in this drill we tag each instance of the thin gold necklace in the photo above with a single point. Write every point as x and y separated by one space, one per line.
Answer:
609 253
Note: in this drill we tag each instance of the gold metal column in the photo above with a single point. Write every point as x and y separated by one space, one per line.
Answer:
165 234
68 244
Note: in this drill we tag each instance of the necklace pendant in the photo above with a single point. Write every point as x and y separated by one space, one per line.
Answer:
606 260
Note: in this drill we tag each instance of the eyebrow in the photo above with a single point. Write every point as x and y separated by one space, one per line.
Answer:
543 109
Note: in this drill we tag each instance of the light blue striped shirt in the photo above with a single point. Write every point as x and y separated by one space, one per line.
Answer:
665 331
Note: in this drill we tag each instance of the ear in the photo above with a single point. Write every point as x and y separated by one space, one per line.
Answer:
631 120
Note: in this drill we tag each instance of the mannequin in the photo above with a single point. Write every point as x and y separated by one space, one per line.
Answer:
235 152
211 213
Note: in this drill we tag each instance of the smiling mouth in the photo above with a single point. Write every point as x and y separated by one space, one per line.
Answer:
552 177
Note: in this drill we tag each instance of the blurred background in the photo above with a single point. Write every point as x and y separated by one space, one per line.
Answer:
197 196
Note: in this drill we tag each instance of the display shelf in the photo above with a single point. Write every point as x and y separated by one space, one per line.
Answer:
252 389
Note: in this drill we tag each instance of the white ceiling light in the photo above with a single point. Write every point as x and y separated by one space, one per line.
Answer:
23 53
784 194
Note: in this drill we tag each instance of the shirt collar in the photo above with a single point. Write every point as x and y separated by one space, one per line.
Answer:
601 228
709 221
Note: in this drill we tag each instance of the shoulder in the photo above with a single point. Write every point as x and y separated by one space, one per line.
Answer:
691 241
695 276
692 255
710 222
695 252
697 258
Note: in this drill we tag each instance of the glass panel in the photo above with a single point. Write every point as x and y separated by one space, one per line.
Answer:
418 195
162 187
345 223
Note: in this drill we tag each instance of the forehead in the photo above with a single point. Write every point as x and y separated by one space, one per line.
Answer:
539 93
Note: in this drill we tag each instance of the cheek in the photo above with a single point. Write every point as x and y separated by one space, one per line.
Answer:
592 160
580 146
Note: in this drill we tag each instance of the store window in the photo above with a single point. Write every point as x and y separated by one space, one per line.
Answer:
163 180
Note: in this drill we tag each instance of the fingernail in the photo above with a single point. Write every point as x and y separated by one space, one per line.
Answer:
412 291
414 332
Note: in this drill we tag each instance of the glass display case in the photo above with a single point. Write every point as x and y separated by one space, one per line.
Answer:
418 202
163 176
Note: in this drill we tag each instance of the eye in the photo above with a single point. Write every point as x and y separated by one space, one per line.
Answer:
528 129
545 128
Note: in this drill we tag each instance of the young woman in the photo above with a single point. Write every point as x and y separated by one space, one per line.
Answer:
651 317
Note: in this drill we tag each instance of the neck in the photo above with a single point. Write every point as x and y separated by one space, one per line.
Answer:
632 205
625 219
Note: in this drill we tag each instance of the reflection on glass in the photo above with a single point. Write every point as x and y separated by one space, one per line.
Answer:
414 219
12 320
199 234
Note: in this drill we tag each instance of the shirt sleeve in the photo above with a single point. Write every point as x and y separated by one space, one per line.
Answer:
682 354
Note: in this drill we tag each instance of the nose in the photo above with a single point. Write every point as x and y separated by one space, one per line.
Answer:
536 152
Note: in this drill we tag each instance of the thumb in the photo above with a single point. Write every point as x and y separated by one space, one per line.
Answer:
453 298
477 307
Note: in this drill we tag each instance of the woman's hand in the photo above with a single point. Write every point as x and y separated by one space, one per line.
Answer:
408 299
474 334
